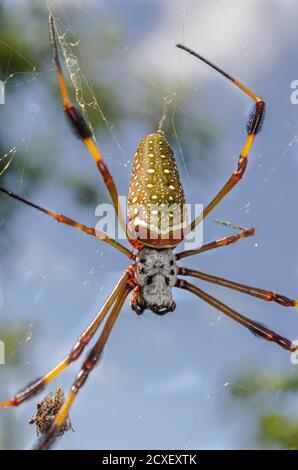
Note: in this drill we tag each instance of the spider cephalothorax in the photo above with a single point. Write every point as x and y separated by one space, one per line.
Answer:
156 275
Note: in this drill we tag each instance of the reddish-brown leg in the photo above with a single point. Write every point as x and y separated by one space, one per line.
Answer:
38 385
87 367
253 127
256 328
249 232
267 295
66 220
82 129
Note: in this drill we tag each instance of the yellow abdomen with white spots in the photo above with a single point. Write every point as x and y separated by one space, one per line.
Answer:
156 202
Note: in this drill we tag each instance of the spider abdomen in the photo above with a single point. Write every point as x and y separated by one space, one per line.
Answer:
156 202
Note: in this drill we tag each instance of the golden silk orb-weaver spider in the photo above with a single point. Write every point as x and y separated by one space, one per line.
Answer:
154 271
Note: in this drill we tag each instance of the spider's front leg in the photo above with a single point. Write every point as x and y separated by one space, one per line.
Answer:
254 126
248 232
83 130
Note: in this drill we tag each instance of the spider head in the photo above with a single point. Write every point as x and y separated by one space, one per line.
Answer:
156 274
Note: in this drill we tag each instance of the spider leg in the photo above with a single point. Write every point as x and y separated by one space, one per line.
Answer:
38 385
257 328
249 290
66 220
82 129
254 126
87 366
249 232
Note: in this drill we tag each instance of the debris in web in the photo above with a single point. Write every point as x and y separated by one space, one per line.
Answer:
47 411
232 225
166 103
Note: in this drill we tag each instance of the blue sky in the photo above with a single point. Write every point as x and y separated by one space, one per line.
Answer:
162 382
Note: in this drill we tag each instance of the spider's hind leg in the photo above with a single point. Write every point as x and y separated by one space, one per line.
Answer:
33 388
86 368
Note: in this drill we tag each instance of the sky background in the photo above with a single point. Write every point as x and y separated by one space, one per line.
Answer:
163 382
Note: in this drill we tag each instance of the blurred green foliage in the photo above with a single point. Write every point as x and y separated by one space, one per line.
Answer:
12 339
256 391
278 429
25 55
18 52
252 383
21 55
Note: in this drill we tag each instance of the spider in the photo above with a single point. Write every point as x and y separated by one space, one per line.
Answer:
154 270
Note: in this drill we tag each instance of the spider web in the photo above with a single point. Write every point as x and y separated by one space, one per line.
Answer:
171 382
